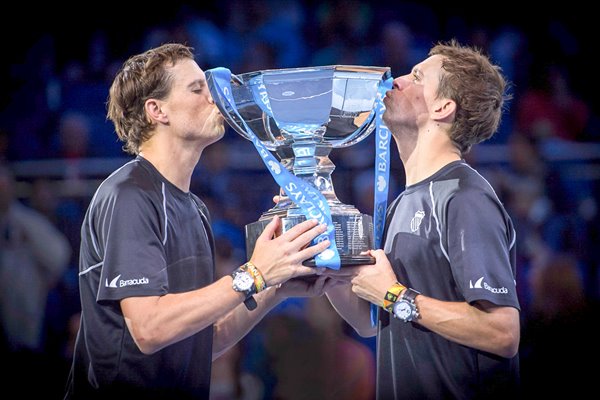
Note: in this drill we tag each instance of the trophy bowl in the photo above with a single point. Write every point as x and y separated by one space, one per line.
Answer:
300 114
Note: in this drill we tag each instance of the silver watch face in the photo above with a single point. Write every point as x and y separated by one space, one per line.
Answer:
403 310
243 282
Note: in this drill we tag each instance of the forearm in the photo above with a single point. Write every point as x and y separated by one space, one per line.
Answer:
156 322
492 329
354 310
232 327
482 326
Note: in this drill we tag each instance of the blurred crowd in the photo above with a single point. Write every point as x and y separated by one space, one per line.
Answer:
56 146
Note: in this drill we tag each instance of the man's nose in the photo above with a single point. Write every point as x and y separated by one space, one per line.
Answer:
401 82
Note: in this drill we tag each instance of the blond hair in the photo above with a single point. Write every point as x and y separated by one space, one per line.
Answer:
142 77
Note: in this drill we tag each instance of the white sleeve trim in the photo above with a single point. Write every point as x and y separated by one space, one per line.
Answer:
92 236
88 269
165 212
437 221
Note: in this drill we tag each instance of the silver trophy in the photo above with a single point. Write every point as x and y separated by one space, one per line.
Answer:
308 112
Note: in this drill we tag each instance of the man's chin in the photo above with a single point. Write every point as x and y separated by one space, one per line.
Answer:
220 132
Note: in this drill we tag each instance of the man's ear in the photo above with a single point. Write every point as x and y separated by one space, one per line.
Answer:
444 110
155 112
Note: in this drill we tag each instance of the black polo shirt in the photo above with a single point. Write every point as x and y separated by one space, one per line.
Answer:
141 236
450 238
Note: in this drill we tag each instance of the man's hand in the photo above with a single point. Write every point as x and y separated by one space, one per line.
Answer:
369 282
280 258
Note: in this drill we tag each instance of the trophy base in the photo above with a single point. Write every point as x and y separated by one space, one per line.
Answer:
353 235
346 261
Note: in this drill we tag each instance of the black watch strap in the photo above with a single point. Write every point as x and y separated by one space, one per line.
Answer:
410 294
250 303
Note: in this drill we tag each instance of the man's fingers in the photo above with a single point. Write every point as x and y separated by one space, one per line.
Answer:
377 254
306 237
313 250
270 229
302 228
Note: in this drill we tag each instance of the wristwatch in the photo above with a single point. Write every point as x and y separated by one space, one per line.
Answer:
243 281
405 309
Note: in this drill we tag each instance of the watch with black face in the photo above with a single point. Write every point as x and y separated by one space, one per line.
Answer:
243 282
405 309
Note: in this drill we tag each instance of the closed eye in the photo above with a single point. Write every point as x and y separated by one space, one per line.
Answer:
197 86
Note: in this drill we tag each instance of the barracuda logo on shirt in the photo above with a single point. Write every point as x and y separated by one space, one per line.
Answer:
126 282
480 284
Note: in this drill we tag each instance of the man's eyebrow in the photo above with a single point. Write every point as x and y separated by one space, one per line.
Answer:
417 72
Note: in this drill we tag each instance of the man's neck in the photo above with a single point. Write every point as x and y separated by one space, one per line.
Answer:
431 152
175 160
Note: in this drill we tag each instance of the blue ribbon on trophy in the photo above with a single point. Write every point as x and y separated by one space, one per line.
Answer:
311 202
382 174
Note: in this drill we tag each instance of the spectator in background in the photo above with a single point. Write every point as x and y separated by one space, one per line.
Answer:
398 49
549 109
229 381
560 333
33 256
74 146
73 135
542 201
312 355
522 187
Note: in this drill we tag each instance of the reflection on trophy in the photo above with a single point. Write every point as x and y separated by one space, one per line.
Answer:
301 114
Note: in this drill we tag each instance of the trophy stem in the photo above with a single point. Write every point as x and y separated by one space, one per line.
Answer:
310 162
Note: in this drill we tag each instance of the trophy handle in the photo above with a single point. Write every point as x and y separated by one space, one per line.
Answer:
237 79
